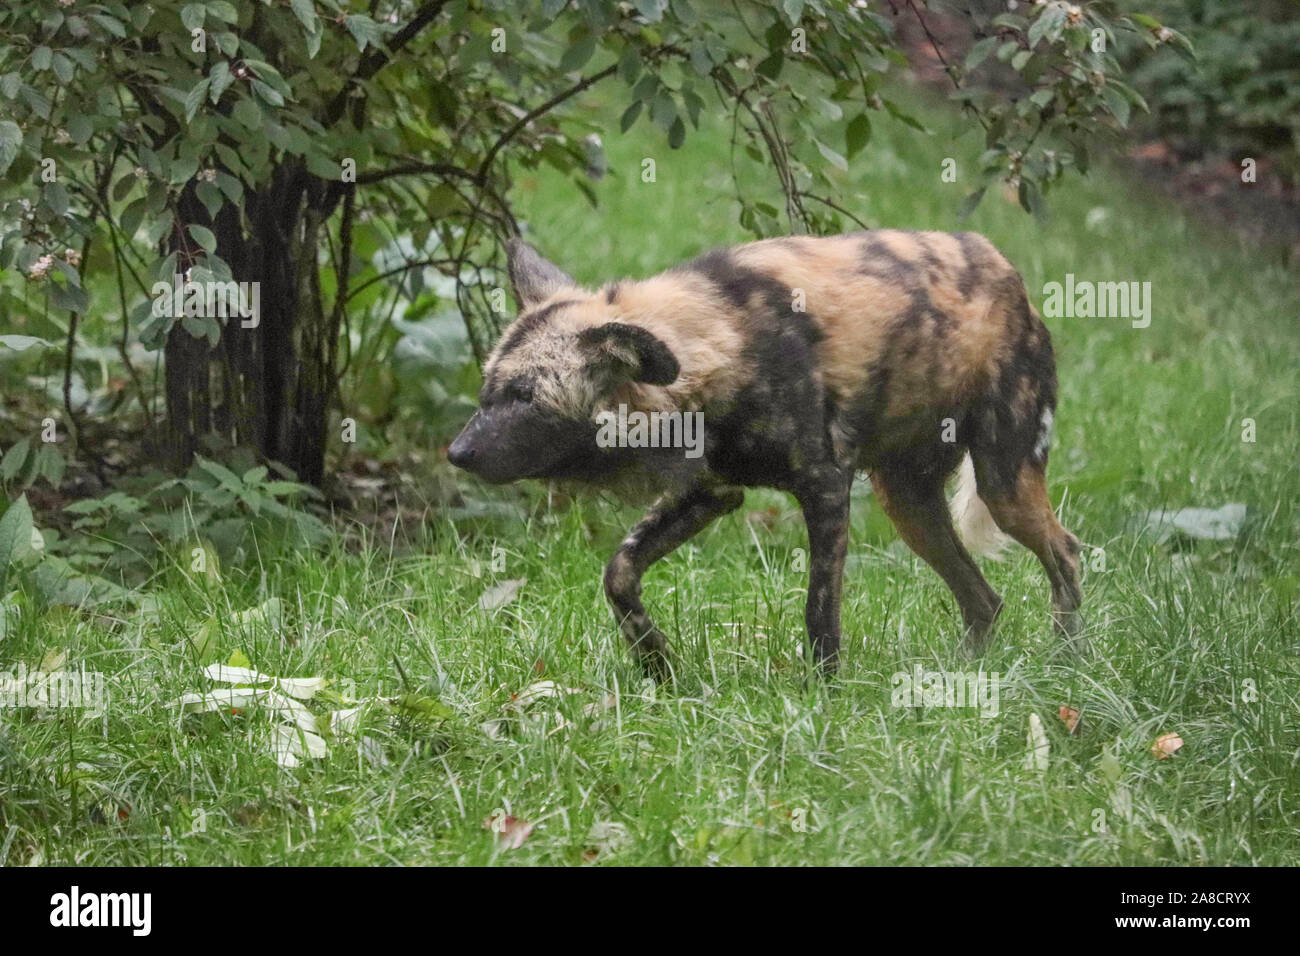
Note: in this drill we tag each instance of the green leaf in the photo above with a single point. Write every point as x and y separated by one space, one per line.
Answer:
1117 104
576 56
267 94
15 536
21 343
652 10
663 110
832 157
132 216
771 67
56 197
230 187
981 51
80 129
11 140
223 10
41 57
192 16
857 134
71 298
305 11
423 707
247 115
363 29
970 203
49 464
64 68
629 64
14 459
204 237
676 133
220 79
630 115
195 97
210 196
1049 24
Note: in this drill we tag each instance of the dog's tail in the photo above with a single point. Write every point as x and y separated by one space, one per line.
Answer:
975 524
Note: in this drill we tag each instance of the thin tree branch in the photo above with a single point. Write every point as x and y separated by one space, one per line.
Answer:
378 58
537 111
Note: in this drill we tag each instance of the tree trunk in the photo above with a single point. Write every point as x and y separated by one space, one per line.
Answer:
267 387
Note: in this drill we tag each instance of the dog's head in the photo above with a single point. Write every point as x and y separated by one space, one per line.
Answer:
552 368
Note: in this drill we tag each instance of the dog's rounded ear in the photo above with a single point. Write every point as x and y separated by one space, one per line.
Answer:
534 279
629 353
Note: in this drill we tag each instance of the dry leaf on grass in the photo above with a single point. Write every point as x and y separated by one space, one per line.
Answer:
1039 748
499 595
1070 717
605 838
511 831
1166 746
540 690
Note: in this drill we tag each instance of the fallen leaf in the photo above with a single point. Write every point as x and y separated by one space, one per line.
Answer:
290 743
270 612
243 697
1109 766
302 688
605 838
1166 746
1210 524
344 723
499 595
1070 717
53 660
1038 745
540 690
608 702
511 831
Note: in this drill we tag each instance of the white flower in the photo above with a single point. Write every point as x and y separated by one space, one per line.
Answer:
40 267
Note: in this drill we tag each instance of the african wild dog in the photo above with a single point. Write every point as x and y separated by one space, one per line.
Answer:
913 352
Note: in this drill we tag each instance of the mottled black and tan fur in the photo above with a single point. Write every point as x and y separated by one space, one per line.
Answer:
891 352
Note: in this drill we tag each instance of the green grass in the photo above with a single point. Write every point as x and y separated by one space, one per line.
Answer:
1196 638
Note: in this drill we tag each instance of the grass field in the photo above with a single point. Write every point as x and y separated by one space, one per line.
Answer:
746 761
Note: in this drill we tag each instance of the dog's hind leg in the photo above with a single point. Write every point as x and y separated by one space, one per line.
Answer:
915 503
1023 510
669 525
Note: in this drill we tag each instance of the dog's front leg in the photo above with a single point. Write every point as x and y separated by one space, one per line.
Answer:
826 512
672 522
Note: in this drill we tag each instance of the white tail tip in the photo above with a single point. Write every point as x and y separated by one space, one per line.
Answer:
975 524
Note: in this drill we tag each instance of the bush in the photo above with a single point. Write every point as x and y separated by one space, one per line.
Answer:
1241 91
